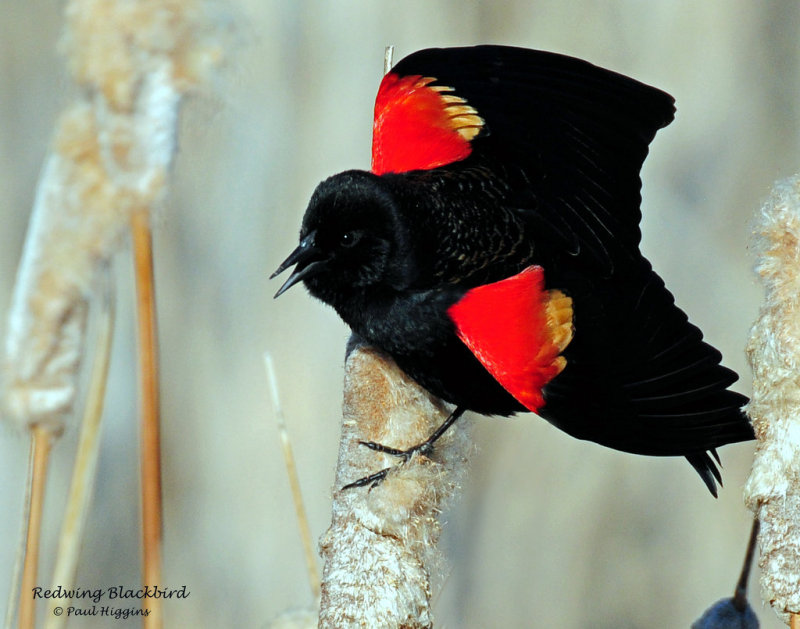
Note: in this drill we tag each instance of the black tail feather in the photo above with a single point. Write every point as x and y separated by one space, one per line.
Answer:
708 470
647 383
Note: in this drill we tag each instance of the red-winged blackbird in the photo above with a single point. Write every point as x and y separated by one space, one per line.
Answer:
493 252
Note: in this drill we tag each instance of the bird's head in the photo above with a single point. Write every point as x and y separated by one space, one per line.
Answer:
351 238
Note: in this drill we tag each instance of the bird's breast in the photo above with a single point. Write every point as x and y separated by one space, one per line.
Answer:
409 322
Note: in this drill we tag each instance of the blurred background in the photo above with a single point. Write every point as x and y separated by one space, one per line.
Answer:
550 531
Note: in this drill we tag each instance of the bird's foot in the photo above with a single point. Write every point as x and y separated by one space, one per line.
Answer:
424 449
373 480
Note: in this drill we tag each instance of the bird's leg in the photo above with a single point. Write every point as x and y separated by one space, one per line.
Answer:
425 448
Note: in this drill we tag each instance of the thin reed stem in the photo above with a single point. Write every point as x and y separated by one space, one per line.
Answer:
84 470
152 518
294 481
40 451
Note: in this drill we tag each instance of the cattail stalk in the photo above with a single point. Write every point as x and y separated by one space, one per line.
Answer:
379 551
70 234
773 488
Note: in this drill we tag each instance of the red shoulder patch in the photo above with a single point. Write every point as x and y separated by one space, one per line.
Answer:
517 330
420 126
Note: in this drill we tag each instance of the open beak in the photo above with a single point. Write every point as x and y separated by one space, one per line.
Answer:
309 260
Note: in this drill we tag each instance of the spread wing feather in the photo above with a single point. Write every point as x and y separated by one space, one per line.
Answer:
574 133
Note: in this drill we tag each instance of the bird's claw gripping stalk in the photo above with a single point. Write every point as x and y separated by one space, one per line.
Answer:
373 480
425 449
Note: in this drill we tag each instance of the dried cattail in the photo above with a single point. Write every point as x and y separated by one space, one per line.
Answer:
381 544
109 158
773 488
107 168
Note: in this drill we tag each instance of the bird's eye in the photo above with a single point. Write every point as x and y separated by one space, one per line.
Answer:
348 239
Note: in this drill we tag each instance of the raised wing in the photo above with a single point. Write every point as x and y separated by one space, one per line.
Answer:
568 137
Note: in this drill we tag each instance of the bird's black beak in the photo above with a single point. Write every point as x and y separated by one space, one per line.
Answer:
309 260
